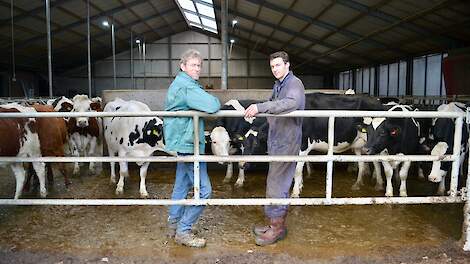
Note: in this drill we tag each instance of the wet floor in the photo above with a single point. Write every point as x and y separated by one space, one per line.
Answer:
320 232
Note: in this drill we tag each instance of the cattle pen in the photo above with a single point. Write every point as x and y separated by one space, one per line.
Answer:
455 195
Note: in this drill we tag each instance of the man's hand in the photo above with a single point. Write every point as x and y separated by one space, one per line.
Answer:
251 111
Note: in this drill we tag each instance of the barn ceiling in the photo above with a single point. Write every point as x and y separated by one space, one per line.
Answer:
320 35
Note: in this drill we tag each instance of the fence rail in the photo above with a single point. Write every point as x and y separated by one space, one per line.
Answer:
454 197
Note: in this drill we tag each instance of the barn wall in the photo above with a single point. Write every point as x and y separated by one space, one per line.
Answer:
247 69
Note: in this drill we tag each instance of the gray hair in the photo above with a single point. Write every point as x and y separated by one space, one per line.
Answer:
190 54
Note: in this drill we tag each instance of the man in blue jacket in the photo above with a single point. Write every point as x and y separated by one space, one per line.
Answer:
185 93
284 138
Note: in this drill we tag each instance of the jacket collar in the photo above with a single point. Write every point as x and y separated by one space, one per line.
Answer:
185 76
289 74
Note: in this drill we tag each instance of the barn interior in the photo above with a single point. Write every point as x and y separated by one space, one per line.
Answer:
415 51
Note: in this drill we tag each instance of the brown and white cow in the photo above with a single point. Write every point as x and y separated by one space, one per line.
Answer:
19 138
85 133
53 137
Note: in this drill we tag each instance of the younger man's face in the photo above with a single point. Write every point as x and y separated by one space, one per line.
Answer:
279 68
192 68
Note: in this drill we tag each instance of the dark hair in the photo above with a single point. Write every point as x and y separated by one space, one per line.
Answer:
280 54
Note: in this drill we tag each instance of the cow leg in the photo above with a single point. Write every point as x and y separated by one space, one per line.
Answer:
241 175
40 168
123 172
298 180
143 174
113 167
309 170
420 172
388 170
360 173
19 172
403 175
377 175
29 175
91 153
229 173
441 189
49 174
75 153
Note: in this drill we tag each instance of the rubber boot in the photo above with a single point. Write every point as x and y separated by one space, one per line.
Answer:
276 231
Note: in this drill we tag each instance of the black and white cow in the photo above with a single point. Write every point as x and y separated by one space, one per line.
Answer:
229 133
347 134
394 136
442 143
131 137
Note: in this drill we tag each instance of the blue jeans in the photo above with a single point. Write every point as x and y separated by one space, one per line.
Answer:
185 216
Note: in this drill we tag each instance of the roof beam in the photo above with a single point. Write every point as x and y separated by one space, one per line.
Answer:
27 14
279 23
293 33
292 46
328 7
409 18
448 42
80 22
328 26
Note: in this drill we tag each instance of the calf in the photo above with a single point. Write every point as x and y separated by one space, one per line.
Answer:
394 136
131 137
229 133
347 135
442 143
19 138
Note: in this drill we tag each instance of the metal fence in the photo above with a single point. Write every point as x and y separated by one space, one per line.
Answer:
455 196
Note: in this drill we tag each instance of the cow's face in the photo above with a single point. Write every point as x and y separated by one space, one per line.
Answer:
437 172
254 143
81 104
220 141
62 104
96 104
441 143
380 135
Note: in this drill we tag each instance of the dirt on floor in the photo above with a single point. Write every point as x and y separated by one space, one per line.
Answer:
137 234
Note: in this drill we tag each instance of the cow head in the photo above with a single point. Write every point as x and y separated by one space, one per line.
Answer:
220 141
96 104
255 142
381 134
440 142
81 104
62 104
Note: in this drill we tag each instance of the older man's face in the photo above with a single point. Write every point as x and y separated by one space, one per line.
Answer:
192 68
279 68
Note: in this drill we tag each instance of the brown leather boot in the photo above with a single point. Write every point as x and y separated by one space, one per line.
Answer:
276 231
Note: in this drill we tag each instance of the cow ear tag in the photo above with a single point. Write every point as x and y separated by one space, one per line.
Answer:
240 138
155 132
363 130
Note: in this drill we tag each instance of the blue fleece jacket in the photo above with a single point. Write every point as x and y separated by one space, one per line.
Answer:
185 93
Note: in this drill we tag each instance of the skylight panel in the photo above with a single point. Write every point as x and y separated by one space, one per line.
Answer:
192 17
205 10
209 22
187 4
199 13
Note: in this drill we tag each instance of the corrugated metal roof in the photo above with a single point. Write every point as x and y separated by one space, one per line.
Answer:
321 34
